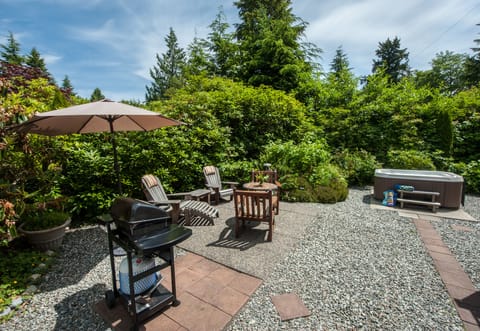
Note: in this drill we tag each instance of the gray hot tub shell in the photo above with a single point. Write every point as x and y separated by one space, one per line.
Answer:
448 184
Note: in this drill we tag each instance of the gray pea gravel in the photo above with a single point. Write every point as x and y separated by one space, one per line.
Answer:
355 268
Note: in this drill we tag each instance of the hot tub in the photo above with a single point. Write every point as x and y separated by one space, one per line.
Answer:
448 184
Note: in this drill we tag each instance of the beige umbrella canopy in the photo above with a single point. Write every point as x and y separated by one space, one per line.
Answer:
99 116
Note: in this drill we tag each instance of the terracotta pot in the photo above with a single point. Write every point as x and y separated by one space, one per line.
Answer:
46 239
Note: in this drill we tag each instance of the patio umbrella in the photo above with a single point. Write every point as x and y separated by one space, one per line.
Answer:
99 116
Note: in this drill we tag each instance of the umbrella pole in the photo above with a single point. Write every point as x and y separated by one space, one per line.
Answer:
116 166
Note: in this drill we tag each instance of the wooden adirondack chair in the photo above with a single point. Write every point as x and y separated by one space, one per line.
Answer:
219 189
153 189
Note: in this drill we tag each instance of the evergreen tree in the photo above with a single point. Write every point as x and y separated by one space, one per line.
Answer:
444 132
34 60
97 95
392 59
341 83
339 62
269 38
11 51
472 66
197 62
168 73
222 47
67 85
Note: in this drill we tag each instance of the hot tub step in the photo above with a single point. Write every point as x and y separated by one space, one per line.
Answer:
433 204
420 192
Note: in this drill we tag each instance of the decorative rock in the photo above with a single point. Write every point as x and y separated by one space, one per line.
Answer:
16 302
42 266
50 253
32 289
5 312
35 277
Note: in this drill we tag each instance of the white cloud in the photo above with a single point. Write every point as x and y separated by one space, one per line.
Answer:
424 28
51 59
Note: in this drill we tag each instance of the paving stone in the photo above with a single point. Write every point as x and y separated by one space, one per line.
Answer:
289 306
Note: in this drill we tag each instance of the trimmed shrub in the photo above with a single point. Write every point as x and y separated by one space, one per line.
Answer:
358 167
409 159
325 185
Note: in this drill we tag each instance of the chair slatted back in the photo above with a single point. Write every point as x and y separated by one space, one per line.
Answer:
253 205
153 189
212 176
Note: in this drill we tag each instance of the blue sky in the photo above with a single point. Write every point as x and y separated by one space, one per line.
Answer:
111 44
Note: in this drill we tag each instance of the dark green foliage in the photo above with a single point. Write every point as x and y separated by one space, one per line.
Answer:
445 132
325 185
340 62
447 73
392 59
472 71
11 51
197 63
472 66
42 220
269 37
409 159
223 59
328 183
249 118
381 117
168 72
34 60
471 176
358 167
296 157
305 171
67 85
466 125
97 95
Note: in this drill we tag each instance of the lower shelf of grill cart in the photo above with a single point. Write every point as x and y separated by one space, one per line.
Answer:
157 301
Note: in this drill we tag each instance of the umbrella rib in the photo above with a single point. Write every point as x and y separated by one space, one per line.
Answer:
85 123
134 121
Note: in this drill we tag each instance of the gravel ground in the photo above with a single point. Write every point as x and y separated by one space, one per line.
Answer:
361 268
356 268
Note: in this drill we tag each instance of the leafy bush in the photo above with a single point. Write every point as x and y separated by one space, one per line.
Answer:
471 176
305 172
409 159
325 185
358 166
296 157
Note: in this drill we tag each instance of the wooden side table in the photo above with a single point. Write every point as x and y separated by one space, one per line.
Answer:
199 194
256 186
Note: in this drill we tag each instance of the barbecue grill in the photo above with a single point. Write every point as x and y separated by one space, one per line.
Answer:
143 230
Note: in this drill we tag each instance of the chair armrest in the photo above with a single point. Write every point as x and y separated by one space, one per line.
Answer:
179 194
232 184
165 202
279 185
175 212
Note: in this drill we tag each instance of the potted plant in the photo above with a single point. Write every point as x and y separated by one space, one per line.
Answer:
261 178
44 226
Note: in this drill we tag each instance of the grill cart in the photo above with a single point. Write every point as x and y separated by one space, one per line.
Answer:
145 232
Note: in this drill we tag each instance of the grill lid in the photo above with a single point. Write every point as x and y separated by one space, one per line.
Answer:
132 210
135 218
